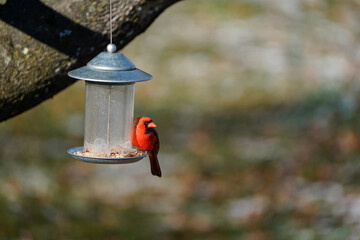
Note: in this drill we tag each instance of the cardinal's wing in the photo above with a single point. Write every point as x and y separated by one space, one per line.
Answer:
134 139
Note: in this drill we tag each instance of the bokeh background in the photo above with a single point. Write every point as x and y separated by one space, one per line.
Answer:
257 107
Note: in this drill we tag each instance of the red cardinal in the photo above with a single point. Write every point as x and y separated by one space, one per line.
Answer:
146 138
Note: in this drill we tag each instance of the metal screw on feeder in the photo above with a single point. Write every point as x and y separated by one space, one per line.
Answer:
109 107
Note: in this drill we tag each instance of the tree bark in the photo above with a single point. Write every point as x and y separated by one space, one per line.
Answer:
40 41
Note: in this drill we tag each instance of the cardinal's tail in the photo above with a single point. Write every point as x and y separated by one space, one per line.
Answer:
154 163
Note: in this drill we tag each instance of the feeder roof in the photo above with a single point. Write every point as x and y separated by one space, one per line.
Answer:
110 68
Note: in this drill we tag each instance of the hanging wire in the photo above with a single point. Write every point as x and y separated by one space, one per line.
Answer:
110 22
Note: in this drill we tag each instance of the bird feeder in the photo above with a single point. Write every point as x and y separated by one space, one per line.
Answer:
109 108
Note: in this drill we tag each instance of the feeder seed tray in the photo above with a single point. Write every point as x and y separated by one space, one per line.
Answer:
79 154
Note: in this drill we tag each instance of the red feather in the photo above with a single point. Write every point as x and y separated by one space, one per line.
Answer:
134 140
146 138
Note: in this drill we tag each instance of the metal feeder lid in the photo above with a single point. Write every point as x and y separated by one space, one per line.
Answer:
110 68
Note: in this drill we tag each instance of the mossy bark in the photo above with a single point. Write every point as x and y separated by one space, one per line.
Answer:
40 41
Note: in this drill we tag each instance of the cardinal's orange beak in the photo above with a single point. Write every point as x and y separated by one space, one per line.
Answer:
152 125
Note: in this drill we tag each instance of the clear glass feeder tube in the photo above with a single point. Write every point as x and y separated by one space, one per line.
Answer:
109 111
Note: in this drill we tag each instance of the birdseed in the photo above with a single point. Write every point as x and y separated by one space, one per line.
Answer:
112 155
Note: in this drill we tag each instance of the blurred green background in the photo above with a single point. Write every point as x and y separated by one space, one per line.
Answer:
257 107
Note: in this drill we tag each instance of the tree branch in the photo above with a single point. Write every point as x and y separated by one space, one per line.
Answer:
41 41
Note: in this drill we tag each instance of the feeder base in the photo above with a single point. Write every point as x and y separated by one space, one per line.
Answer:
104 160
